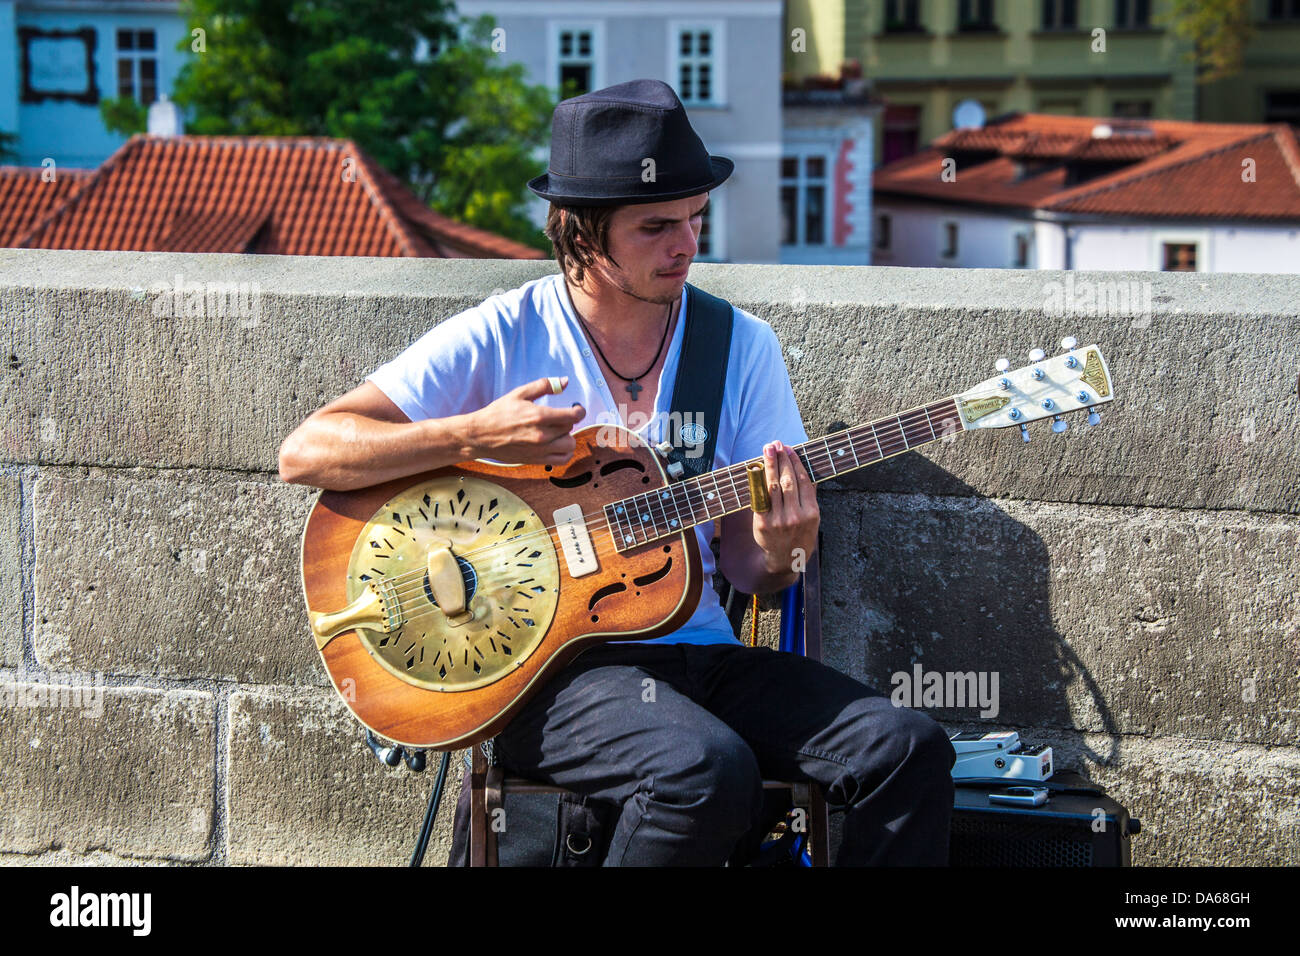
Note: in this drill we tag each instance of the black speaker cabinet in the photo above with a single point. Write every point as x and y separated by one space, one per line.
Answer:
1078 826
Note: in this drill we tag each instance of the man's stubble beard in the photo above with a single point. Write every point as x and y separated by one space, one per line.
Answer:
624 285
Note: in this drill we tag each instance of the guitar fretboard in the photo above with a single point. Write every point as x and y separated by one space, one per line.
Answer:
643 518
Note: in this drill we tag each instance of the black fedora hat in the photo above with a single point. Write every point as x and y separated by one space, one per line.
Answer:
600 142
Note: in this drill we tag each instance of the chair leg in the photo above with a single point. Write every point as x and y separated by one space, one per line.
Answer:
492 802
478 808
819 838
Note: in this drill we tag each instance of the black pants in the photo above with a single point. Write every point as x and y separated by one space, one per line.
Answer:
682 736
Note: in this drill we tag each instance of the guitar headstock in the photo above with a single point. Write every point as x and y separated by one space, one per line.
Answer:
1053 387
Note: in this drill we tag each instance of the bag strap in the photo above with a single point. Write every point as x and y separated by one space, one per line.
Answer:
701 379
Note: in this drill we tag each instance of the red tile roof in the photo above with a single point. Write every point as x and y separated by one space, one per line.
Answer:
26 197
271 195
1161 168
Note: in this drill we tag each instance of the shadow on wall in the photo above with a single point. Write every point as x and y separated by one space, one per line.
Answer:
956 597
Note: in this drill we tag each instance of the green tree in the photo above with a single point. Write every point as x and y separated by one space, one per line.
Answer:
1218 31
124 115
460 125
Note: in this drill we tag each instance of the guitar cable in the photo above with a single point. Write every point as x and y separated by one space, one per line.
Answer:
430 814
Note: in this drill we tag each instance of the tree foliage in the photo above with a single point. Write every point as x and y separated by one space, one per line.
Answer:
420 90
1218 31
124 115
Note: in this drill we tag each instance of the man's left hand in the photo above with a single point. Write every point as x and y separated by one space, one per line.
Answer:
789 530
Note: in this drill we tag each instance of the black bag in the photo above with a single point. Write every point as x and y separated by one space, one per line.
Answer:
550 829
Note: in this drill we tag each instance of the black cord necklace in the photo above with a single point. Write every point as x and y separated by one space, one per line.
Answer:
632 385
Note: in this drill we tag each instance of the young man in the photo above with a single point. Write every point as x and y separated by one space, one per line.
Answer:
686 761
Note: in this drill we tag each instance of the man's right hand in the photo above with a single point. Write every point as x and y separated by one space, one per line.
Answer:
514 430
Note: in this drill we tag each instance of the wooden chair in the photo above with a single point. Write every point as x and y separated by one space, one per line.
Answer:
800 633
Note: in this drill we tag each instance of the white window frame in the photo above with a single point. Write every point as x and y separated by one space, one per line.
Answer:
717 59
801 152
1198 238
553 30
135 56
718 223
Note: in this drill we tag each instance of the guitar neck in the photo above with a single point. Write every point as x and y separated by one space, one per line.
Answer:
672 509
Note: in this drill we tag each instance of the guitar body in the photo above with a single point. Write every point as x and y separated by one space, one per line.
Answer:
432 678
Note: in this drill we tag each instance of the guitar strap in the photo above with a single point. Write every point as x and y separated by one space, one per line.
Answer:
692 425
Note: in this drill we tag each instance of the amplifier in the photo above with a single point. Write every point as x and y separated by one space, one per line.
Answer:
1077 825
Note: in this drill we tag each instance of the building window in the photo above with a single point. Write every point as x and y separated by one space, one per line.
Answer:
1284 9
137 65
1131 109
704 244
902 16
1179 257
902 132
950 240
1060 14
1132 14
1282 106
1022 250
696 66
803 200
884 224
975 15
577 62
1060 107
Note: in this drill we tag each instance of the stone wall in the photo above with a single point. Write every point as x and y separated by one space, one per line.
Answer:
1133 586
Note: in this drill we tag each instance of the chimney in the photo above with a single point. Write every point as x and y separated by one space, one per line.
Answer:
165 118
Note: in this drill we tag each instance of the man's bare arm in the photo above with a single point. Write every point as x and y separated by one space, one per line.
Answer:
362 439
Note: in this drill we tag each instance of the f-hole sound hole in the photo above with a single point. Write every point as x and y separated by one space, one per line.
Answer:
648 579
607 591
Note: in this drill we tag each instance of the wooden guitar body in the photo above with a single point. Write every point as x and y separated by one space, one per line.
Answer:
444 680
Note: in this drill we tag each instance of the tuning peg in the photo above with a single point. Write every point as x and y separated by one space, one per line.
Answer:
1024 433
1059 424
1094 416
1002 364
1037 355
1069 342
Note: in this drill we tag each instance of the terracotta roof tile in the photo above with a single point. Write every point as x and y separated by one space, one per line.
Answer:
1168 168
26 198
273 195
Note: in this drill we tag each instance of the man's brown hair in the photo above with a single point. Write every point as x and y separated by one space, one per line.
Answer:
590 224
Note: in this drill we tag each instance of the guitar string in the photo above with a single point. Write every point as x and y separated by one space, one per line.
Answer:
822 457
415 578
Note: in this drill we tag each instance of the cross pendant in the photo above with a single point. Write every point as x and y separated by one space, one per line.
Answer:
635 389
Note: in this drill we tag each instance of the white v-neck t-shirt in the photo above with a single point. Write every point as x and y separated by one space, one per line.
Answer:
473 358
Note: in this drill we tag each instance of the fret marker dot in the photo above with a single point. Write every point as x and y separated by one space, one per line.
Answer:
673 522
628 538
841 451
645 517
618 510
709 495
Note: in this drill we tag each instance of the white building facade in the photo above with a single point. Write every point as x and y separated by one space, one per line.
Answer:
722 57
911 233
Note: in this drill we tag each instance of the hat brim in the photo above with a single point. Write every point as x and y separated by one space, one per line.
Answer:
722 170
